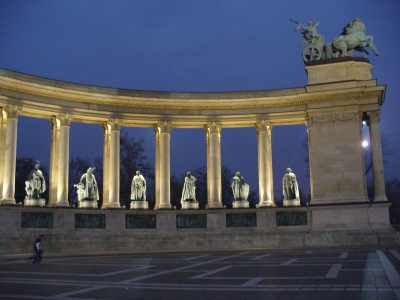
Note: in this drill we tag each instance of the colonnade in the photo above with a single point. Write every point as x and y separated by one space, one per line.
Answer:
59 160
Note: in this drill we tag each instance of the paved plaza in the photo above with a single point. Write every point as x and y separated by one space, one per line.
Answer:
278 274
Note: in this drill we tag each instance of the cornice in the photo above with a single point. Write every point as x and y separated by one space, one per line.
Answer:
187 103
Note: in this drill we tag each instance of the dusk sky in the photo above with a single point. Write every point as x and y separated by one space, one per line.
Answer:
191 46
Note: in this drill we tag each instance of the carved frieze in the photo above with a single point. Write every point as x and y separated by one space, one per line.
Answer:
339 72
333 118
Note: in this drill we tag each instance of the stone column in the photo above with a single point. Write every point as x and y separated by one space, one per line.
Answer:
106 164
3 131
63 160
307 122
377 159
10 155
54 155
157 166
265 176
214 182
163 165
114 170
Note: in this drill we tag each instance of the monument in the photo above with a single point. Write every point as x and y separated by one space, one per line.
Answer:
34 187
339 94
138 192
87 190
290 189
188 199
240 191
353 38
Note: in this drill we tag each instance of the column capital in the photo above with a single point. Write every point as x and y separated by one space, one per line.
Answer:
164 127
104 125
263 125
12 111
212 127
64 119
114 123
374 115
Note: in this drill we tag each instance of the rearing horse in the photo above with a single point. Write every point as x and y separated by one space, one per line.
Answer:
351 39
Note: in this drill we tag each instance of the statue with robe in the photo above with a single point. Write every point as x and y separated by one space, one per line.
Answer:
290 186
189 188
138 187
240 189
35 185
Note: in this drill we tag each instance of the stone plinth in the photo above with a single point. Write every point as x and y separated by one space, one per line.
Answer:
190 205
35 202
139 205
340 69
291 202
240 204
87 204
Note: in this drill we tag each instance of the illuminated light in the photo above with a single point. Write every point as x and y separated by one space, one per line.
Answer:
364 122
364 144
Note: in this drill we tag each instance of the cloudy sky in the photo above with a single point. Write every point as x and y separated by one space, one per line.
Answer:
191 46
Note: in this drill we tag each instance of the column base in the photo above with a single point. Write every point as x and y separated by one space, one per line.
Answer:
139 205
190 205
114 206
163 206
9 202
214 206
265 204
62 204
291 202
35 202
380 198
241 204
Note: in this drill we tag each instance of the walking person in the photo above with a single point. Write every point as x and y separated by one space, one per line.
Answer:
38 249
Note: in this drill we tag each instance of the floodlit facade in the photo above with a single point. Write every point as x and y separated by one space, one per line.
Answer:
338 96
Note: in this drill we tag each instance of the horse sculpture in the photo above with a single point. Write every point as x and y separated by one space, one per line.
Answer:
351 39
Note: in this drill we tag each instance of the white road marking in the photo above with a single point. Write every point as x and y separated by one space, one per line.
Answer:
253 281
344 255
259 257
211 272
196 257
395 254
390 271
289 262
334 271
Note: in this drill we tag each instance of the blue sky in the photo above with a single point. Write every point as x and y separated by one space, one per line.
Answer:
191 46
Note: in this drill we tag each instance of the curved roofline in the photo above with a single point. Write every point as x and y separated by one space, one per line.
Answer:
45 98
138 93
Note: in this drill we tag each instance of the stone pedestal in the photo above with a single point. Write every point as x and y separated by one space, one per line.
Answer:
241 204
139 205
190 205
338 70
35 202
291 202
87 204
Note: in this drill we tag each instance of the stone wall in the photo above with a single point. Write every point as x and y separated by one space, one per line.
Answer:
79 231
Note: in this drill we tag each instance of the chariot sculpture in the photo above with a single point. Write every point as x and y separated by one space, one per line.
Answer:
352 39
